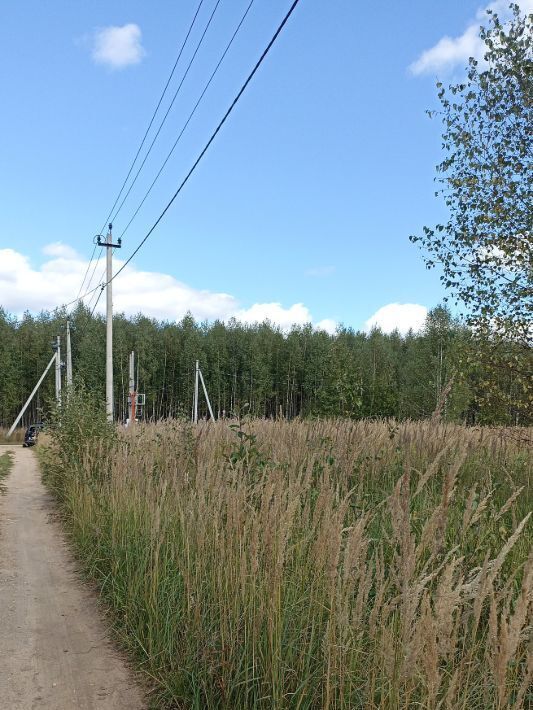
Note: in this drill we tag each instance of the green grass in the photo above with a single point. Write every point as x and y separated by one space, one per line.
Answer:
6 462
301 565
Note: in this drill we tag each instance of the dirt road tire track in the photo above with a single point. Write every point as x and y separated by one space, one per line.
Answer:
55 653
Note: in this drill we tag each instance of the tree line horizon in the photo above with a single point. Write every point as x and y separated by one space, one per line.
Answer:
263 371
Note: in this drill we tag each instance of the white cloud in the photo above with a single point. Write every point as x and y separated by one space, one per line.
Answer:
23 288
450 52
60 250
118 47
156 295
398 316
298 314
328 325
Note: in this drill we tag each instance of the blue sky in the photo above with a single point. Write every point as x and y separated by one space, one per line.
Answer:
308 195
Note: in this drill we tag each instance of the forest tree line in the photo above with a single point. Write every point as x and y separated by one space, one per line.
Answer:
261 370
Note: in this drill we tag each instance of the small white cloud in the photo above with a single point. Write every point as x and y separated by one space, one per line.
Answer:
156 295
398 316
118 47
451 52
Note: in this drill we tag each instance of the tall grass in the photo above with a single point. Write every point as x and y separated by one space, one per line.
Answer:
17 437
330 564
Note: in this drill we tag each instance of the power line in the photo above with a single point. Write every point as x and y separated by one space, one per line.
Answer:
189 118
95 295
176 93
202 153
94 269
87 271
213 136
96 302
155 111
80 298
88 290
198 8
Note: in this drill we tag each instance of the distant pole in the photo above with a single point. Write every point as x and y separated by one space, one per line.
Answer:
58 370
206 395
19 417
69 361
196 377
133 393
109 319
137 376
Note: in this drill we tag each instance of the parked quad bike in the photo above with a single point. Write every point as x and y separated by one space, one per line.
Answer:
30 437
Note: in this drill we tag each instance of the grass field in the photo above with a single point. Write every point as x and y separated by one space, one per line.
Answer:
330 564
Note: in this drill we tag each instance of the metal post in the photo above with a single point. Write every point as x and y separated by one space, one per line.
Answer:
195 416
206 395
69 360
58 370
19 417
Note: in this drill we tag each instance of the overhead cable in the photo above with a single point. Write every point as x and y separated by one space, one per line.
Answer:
86 271
155 112
210 141
163 93
202 153
215 70
176 93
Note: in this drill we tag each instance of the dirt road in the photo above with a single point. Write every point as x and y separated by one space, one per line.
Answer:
54 650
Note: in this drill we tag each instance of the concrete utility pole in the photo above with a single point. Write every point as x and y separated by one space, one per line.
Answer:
19 417
57 348
109 319
195 405
69 360
133 393
198 377
206 395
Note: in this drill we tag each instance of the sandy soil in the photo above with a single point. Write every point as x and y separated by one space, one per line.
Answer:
54 649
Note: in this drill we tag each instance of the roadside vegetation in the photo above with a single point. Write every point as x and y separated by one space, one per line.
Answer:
6 462
17 437
308 564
